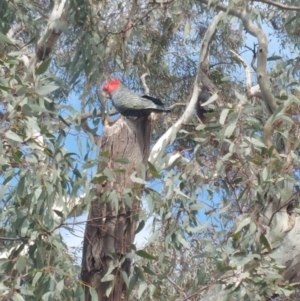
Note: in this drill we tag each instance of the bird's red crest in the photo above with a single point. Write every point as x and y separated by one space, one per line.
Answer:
111 85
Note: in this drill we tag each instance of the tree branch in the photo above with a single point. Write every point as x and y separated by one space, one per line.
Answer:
170 135
177 104
145 86
279 5
250 91
247 70
262 77
12 238
254 55
261 72
52 32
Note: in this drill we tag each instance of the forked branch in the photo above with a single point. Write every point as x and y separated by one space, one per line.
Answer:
170 135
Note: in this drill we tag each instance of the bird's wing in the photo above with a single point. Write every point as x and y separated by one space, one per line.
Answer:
154 100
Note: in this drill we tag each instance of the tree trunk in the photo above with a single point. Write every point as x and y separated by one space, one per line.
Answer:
110 231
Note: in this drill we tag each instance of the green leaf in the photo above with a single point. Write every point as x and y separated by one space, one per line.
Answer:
43 66
77 173
13 136
63 120
48 296
125 278
21 264
141 289
223 116
45 90
109 174
264 240
230 129
36 278
4 88
5 39
237 180
99 179
271 150
155 174
17 297
255 142
197 206
17 155
182 240
134 179
21 91
59 213
265 174
3 161
245 222
212 99
21 187
60 285
226 79
109 289
144 254
132 283
139 273
108 277
140 227
123 161
274 58
147 270
93 294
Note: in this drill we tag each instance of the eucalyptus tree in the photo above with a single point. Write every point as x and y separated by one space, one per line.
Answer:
224 163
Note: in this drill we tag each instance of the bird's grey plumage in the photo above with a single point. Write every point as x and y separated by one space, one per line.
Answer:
129 103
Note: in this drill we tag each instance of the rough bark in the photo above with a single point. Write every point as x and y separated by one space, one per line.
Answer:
109 231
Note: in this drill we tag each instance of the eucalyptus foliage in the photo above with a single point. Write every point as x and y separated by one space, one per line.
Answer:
224 216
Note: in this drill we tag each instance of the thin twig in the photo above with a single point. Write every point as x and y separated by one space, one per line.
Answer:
13 238
145 86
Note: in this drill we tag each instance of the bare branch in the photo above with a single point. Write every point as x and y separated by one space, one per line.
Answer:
279 5
170 135
254 56
177 104
250 91
178 288
12 238
247 70
48 40
262 77
145 86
